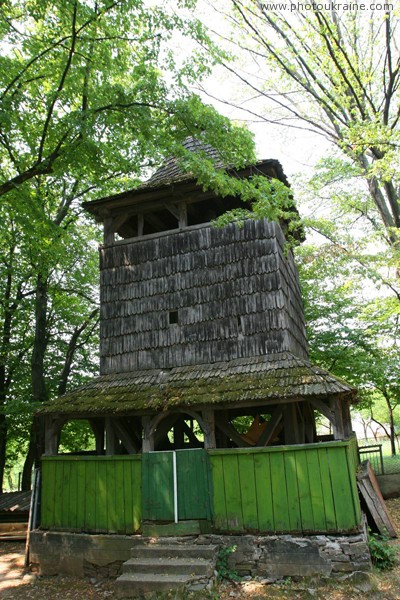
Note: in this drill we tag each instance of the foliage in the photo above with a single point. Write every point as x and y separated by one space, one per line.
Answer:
223 568
383 555
334 73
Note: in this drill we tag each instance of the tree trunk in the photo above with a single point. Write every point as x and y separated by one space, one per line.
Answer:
3 447
391 424
39 392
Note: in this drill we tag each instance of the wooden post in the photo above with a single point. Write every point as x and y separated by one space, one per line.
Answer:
209 426
109 234
338 425
148 435
183 221
52 434
291 426
97 426
111 438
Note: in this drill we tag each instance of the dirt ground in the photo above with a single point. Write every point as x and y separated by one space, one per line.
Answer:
18 584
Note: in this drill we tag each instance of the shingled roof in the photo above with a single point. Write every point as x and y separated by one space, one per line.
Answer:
258 380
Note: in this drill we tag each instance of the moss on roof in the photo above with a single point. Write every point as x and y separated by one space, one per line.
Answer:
282 377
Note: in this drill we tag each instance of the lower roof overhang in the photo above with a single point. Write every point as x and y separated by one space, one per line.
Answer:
251 382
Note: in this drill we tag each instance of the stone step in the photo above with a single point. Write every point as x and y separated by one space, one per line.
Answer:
174 551
159 565
130 585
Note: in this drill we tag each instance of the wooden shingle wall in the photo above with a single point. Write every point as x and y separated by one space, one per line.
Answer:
233 291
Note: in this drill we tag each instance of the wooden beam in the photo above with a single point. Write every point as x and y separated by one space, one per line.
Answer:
230 432
183 219
338 425
52 430
209 429
268 433
125 437
174 210
109 234
291 425
324 410
97 426
140 224
111 438
148 434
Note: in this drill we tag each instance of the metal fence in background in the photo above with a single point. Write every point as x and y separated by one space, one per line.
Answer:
375 457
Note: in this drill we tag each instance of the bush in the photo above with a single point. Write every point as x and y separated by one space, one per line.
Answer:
383 555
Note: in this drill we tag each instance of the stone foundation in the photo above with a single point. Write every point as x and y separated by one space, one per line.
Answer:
273 556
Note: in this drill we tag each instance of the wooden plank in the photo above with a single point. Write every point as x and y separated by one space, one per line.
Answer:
65 500
127 487
316 493
326 485
292 491
279 489
73 495
303 480
91 494
119 497
218 493
248 491
111 495
377 511
58 494
137 492
101 496
233 496
81 494
262 473
346 515
48 494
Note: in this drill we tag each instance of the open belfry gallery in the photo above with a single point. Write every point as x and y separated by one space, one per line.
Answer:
204 411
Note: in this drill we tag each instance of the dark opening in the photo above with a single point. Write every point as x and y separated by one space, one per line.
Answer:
173 317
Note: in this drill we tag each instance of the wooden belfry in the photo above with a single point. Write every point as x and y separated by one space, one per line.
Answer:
200 325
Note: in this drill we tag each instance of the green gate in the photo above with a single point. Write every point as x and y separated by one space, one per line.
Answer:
182 496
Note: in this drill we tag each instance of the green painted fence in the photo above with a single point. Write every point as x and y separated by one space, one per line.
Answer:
286 489
92 493
305 489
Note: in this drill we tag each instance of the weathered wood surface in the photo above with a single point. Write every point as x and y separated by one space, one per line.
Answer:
376 507
210 276
92 494
310 488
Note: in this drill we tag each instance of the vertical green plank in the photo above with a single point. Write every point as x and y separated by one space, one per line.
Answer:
234 514
352 461
316 493
303 478
326 484
262 472
48 493
248 489
279 499
119 498
218 487
127 487
158 495
73 494
346 514
292 491
81 494
193 484
101 496
112 494
91 494
66 484
58 493
137 492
